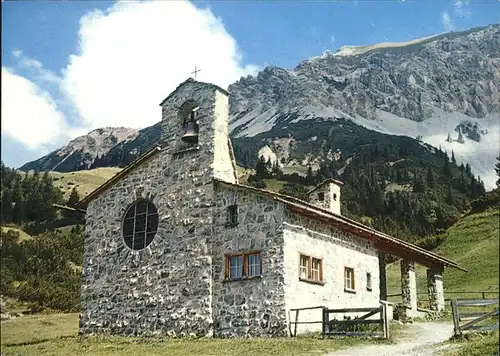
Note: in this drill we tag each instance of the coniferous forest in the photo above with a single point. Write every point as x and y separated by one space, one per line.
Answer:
391 188
398 191
41 248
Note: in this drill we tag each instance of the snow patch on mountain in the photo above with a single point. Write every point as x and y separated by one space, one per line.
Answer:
434 131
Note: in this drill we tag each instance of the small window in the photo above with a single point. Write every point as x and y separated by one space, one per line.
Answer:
316 270
348 279
310 269
321 196
304 267
253 265
232 215
334 196
235 267
243 265
369 282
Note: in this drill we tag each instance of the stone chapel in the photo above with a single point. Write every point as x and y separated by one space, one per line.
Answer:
175 245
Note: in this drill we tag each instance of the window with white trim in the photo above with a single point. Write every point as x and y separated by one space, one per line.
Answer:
316 270
349 279
304 267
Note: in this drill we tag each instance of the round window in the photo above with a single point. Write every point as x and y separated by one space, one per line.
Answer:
140 224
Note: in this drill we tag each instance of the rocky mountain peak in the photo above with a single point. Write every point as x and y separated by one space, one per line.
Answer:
428 89
83 150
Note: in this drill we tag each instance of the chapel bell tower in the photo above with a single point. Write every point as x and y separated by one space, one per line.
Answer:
191 125
195 127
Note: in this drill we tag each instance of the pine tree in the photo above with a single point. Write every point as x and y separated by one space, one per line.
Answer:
480 186
453 158
448 139
431 181
261 169
468 170
446 167
473 187
6 206
497 169
419 185
18 212
276 171
74 198
17 193
449 196
310 176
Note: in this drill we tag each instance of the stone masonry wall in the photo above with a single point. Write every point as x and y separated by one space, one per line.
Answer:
435 289
254 307
165 288
338 250
409 288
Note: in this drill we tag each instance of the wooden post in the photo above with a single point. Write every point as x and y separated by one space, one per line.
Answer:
385 319
456 316
483 295
325 321
382 276
296 322
387 322
382 318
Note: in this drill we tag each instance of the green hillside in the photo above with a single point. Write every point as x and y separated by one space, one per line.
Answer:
84 181
473 242
23 236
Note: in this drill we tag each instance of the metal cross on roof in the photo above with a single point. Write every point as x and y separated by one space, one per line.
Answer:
196 70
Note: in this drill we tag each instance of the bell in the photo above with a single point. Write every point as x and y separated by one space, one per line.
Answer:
191 134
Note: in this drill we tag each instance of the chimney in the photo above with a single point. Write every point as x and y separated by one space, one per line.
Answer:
326 195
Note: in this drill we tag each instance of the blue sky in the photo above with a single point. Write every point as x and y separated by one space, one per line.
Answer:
68 72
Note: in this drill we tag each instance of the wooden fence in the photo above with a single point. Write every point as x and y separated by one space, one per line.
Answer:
341 327
452 295
473 318
482 295
297 322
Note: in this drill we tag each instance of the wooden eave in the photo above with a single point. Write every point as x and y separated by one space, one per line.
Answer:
113 180
68 208
381 241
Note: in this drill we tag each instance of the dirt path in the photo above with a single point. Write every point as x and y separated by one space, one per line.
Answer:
415 339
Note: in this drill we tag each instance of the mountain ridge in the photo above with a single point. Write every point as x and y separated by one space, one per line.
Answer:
425 88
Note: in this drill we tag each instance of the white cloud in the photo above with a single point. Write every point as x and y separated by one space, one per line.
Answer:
35 67
28 113
462 10
447 21
130 57
134 54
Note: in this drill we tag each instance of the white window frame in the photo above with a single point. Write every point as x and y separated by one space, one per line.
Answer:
349 279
